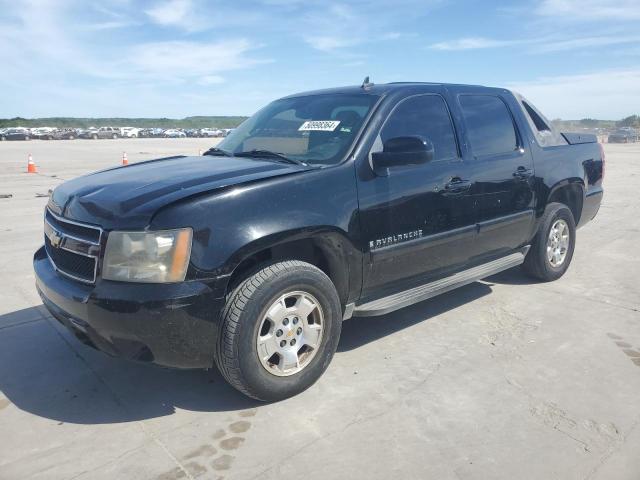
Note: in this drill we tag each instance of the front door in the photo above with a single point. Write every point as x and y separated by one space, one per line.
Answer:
418 221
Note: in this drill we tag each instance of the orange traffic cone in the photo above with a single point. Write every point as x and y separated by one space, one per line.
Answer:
31 167
125 161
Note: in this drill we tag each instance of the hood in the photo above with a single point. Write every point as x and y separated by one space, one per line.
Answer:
128 197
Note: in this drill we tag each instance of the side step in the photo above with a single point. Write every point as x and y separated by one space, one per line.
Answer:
399 300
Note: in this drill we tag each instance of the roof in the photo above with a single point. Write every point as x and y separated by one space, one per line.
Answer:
377 89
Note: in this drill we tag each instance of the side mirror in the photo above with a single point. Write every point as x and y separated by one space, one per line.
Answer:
400 151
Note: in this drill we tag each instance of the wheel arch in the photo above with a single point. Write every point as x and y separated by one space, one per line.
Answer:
570 193
327 249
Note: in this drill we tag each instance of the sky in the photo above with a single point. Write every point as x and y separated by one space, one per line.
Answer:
175 58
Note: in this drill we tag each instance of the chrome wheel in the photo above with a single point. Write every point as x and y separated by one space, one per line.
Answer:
290 333
558 243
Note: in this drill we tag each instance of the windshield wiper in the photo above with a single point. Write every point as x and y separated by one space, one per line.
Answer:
217 152
270 154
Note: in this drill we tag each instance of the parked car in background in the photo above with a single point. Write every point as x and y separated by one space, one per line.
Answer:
174 133
623 136
63 134
90 132
16 134
43 133
108 132
129 132
151 132
193 133
211 132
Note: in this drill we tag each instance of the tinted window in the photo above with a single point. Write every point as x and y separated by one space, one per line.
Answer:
537 120
489 125
425 116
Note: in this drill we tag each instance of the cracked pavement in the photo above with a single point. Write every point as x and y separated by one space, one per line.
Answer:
501 379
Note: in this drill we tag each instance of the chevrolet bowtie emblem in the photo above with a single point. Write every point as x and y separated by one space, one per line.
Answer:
55 238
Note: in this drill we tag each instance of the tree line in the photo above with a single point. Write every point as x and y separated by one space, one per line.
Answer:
165 123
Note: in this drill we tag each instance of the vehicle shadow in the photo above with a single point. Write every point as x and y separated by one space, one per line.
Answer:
45 371
359 331
513 276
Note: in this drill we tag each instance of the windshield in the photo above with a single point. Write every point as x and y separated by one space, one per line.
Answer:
314 129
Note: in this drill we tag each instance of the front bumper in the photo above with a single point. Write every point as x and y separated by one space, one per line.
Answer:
174 324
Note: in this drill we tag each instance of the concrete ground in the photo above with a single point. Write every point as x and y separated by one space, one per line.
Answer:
503 379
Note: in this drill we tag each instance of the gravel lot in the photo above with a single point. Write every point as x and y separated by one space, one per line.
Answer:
503 379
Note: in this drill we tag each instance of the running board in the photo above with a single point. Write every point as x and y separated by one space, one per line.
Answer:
403 299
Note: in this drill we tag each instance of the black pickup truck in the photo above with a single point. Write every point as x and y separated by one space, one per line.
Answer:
352 201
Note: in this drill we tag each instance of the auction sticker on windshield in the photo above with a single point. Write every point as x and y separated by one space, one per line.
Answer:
319 125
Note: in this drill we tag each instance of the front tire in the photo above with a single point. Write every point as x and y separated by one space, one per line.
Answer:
552 248
279 331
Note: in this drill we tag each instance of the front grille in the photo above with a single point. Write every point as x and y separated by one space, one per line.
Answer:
73 248
72 264
85 232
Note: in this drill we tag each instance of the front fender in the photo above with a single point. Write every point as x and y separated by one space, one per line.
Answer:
318 206
330 249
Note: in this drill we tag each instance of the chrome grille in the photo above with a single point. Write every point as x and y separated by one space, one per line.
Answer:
73 248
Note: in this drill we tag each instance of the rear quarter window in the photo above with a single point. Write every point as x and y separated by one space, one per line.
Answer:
544 132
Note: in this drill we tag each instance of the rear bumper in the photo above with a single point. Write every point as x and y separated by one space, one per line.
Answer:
174 325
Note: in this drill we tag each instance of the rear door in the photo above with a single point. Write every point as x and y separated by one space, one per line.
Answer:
501 164
418 221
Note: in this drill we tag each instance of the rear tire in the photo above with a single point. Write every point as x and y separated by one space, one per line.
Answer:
553 245
259 308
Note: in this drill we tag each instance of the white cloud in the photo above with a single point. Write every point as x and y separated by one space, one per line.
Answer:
171 13
473 43
335 28
583 43
537 44
598 10
182 59
328 43
107 25
612 94
211 80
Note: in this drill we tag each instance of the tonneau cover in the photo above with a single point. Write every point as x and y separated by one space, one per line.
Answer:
577 138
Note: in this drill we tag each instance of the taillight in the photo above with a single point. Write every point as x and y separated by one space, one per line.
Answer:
603 162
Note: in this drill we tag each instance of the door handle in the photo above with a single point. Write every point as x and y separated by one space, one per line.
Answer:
457 185
523 172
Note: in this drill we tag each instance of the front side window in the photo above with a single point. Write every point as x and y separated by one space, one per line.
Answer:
315 129
490 127
425 116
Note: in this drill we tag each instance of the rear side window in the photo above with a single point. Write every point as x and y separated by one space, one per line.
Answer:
545 133
537 120
489 125
425 116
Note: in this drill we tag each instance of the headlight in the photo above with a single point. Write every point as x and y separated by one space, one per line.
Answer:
151 257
